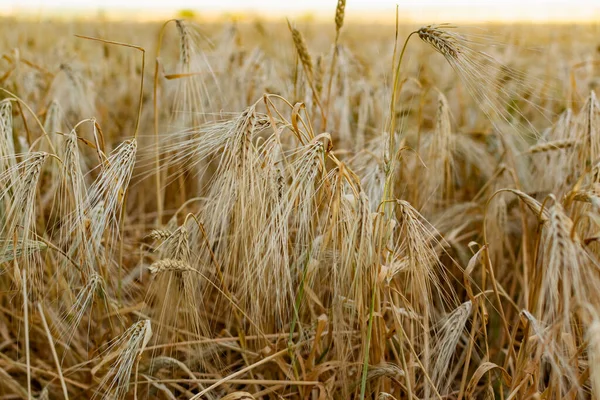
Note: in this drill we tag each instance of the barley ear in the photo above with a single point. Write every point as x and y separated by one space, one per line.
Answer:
340 11
302 50
439 40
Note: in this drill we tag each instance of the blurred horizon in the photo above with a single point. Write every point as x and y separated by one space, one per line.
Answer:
534 11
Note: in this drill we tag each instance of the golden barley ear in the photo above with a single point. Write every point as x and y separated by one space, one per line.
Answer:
170 265
447 338
128 350
160 234
185 47
302 49
552 146
340 11
18 226
441 41
486 79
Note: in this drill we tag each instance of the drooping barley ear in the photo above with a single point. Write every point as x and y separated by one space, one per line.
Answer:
19 217
171 265
425 274
71 198
586 196
447 338
535 206
26 249
340 11
563 268
176 290
553 145
417 241
160 234
302 50
383 370
563 283
95 287
130 346
111 185
184 37
439 40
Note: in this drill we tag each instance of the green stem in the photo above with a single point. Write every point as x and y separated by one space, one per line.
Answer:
299 297
388 195
296 317
365 370
331 68
391 156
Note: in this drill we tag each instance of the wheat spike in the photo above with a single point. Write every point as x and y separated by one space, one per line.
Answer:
302 50
551 146
319 74
170 265
160 234
130 345
184 37
339 15
447 338
440 40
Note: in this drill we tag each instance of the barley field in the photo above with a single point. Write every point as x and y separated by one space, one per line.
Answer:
299 210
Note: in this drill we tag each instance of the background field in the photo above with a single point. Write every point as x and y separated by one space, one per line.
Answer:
283 212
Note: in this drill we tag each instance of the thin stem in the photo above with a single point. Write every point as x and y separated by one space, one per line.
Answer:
331 68
241 372
365 370
141 97
135 133
159 197
63 384
19 101
26 321
389 158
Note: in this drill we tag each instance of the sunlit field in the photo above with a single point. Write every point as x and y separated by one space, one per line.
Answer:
299 209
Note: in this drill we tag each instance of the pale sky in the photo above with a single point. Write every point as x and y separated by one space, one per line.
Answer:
535 10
